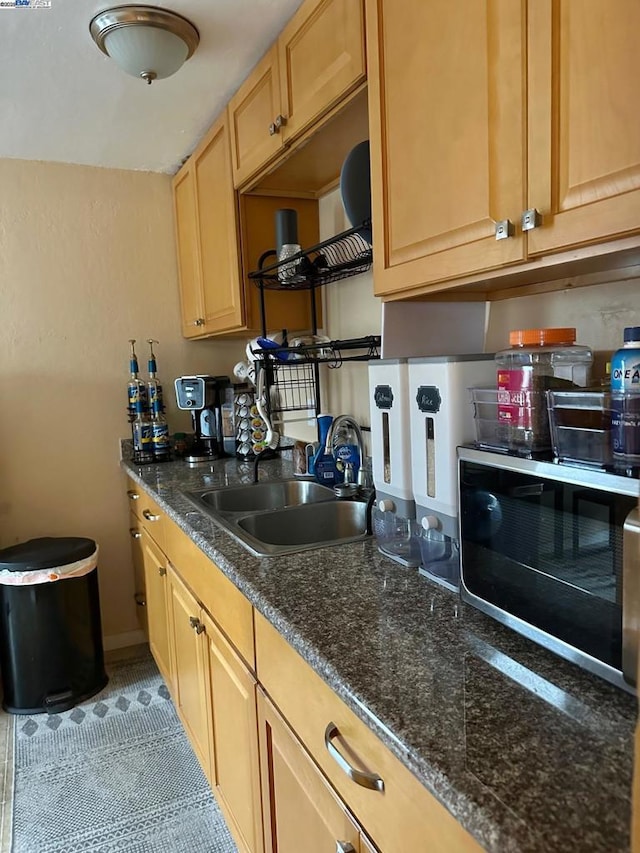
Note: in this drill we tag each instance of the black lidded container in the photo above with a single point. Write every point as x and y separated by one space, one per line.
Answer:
50 633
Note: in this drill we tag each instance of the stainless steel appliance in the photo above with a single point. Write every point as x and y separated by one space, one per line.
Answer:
204 396
553 552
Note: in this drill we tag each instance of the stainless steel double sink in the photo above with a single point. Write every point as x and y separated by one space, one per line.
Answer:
283 517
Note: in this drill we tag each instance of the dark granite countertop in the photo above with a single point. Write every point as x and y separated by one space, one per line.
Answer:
527 751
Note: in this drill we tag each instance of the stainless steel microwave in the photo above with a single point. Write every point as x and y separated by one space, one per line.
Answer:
553 551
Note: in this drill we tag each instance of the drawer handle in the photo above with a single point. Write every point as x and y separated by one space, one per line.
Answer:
150 516
135 534
367 780
134 496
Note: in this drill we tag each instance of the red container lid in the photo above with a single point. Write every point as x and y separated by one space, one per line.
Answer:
541 337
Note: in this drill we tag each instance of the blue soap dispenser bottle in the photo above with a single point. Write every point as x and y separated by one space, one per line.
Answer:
324 465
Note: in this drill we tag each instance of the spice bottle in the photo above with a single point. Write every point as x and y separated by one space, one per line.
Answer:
537 360
625 399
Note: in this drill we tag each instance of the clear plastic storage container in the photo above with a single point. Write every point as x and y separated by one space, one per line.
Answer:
538 360
581 426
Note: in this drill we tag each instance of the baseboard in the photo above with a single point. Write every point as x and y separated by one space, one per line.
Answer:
121 641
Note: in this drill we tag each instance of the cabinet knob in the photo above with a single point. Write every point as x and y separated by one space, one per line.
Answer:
194 621
345 847
134 496
162 571
531 219
150 516
198 322
504 229
272 129
135 534
140 600
280 121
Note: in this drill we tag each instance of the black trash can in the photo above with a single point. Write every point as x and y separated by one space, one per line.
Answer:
51 652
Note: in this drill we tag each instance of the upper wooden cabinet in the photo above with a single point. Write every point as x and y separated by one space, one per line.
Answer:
318 58
583 121
321 56
497 107
206 218
253 111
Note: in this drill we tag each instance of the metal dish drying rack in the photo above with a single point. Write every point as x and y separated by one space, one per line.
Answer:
292 374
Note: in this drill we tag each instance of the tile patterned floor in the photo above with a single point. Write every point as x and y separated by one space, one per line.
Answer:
7 722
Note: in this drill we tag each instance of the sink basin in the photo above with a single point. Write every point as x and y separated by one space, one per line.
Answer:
283 517
258 497
303 527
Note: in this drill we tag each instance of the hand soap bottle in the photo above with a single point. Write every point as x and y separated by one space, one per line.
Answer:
324 465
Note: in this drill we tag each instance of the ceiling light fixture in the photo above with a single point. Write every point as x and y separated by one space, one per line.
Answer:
145 41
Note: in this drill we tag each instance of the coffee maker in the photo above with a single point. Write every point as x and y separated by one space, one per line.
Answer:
204 397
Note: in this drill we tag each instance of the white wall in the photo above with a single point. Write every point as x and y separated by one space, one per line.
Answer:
87 261
598 313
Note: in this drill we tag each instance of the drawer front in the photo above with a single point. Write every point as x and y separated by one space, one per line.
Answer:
148 512
217 594
403 815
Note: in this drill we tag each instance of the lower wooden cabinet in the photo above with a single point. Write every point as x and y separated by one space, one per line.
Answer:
301 810
234 744
155 575
275 743
191 676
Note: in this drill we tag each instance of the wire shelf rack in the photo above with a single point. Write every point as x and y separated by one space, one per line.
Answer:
347 254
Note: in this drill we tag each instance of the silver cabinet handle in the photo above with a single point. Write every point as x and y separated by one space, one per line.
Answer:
196 624
345 847
162 571
140 599
149 515
630 596
531 219
280 122
360 777
504 229
134 496
198 322
135 534
272 129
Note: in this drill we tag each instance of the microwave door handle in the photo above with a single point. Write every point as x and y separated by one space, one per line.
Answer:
526 491
631 596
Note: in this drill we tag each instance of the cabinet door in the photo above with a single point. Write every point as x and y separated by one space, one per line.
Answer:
155 576
447 137
584 121
321 56
235 739
253 110
186 227
135 532
301 812
190 673
218 239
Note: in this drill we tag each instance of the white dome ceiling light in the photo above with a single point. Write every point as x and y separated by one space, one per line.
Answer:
145 41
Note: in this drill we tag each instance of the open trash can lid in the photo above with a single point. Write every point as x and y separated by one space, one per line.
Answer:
45 553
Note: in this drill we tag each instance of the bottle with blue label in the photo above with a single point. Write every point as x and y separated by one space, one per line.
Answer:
141 433
625 400
324 465
345 452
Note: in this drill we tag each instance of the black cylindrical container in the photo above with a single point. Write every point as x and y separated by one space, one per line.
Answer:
50 633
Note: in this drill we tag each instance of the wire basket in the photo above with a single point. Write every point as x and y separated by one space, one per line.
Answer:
347 254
